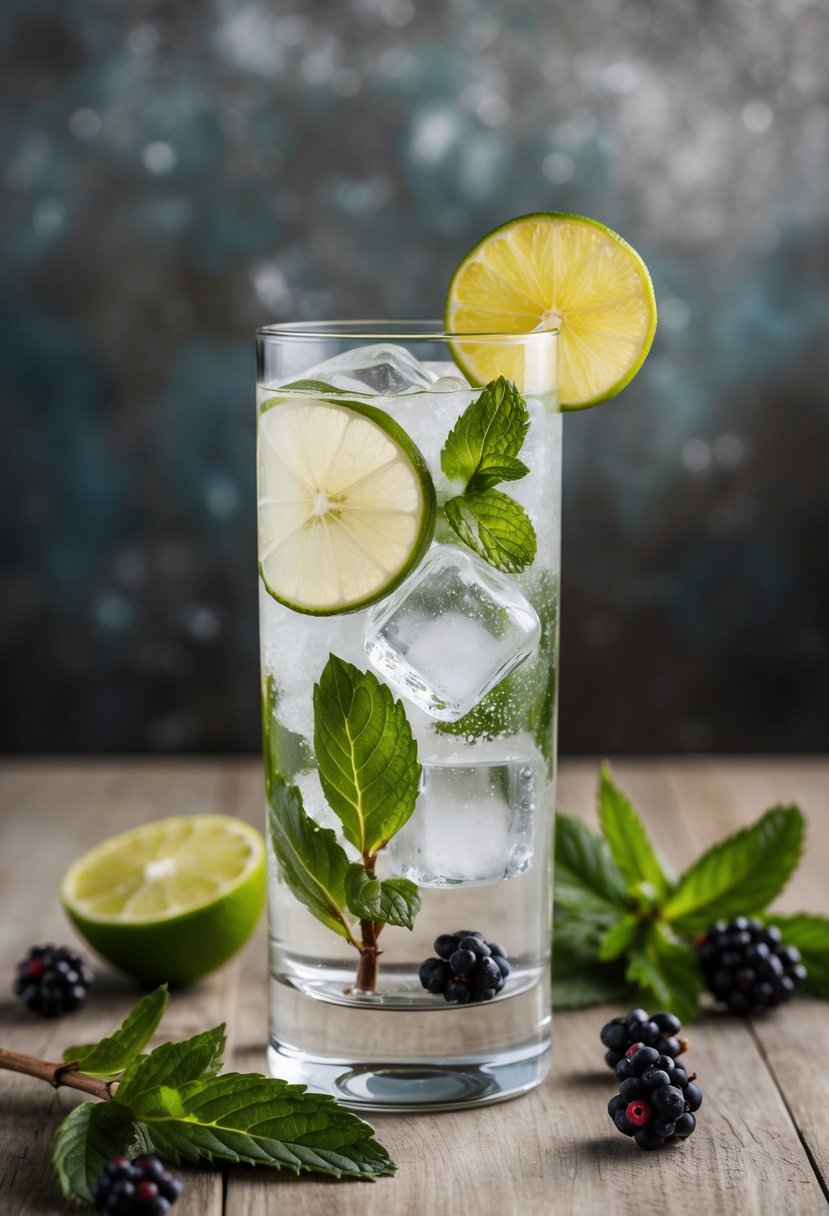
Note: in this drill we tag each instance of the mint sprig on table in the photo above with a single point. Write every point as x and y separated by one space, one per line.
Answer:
175 1101
624 923
370 775
480 452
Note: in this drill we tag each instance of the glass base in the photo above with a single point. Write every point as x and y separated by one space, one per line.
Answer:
416 1086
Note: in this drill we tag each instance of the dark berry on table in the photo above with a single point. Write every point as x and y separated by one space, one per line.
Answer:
52 980
668 1102
144 1187
746 967
468 969
623 1034
653 1105
693 1097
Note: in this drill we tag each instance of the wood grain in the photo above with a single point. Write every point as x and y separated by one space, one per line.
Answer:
763 1141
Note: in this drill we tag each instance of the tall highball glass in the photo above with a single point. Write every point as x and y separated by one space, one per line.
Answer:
409 551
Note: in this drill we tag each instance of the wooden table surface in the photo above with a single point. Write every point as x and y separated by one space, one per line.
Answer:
762 1142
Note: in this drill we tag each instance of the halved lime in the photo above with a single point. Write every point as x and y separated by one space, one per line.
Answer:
170 900
346 504
566 271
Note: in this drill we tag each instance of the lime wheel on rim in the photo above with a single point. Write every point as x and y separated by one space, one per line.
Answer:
554 270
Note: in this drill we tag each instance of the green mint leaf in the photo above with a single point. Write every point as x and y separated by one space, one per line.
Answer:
495 425
741 874
496 527
174 1064
666 974
108 1058
394 901
261 1121
629 844
495 467
810 933
366 753
285 752
312 861
619 937
90 1135
578 980
586 877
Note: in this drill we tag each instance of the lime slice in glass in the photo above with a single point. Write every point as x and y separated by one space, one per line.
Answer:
555 270
346 504
171 900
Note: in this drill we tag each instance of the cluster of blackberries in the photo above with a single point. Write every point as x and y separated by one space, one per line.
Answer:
659 1030
52 980
656 1099
136 1188
746 966
468 968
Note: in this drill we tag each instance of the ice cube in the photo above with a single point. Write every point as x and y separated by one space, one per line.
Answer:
384 369
473 823
451 632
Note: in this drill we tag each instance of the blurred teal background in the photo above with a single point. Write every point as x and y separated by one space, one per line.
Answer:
176 174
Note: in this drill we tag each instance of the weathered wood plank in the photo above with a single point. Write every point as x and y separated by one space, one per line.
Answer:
553 1150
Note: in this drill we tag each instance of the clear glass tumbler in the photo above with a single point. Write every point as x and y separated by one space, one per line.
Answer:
409 638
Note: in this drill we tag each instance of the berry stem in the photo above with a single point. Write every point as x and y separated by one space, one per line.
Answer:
55 1074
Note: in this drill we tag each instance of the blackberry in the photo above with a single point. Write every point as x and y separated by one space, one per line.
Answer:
143 1187
52 980
468 969
654 1104
658 1030
746 966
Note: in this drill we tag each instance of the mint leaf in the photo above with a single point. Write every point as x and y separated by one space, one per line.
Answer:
629 844
173 1064
285 752
90 1135
108 1058
261 1121
495 526
810 934
394 901
495 425
586 877
619 937
366 753
311 860
579 981
740 875
667 975
497 467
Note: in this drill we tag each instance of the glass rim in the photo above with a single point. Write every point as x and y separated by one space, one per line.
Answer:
400 331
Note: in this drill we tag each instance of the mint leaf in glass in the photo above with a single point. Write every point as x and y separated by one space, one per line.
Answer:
495 526
90 1136
311 860
394 901
174 1064
636 858
108 1058
366 753
242 1117
741 874
493 426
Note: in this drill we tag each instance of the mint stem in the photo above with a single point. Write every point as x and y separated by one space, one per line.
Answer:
369 956
56 1074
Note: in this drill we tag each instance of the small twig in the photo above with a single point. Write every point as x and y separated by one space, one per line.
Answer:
56 1074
